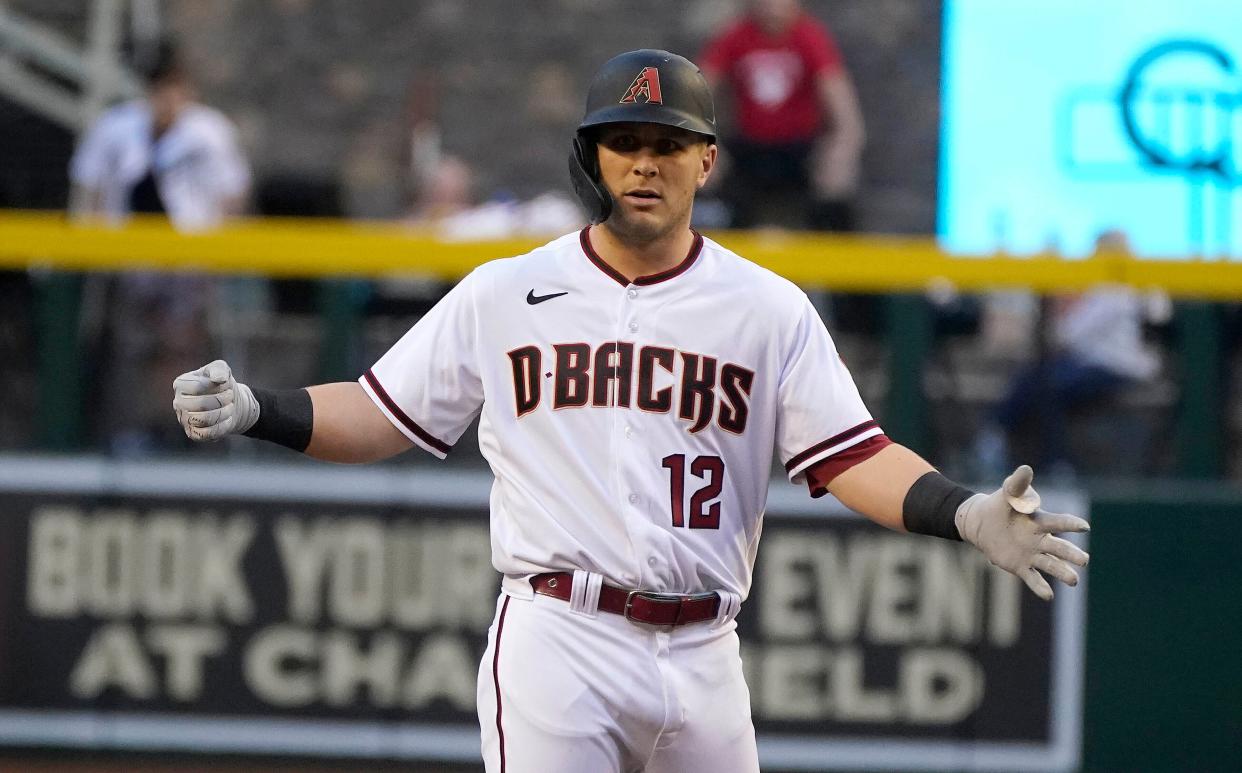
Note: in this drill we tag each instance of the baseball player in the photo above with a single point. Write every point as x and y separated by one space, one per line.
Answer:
631 382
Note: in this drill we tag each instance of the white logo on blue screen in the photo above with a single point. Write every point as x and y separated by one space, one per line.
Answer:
1046 146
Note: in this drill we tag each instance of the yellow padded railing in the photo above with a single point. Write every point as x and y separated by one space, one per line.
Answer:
281 247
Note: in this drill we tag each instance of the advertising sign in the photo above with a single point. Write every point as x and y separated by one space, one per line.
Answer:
280 620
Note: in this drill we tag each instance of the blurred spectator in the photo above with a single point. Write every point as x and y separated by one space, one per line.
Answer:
163 154
446 207
1096 352
444 187
445 190
794 151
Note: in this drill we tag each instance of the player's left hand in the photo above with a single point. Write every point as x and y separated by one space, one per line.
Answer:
1010 529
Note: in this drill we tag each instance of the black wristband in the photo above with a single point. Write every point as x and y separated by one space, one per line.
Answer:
286 417
931 504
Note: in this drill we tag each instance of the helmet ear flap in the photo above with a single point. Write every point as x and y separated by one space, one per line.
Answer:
584 174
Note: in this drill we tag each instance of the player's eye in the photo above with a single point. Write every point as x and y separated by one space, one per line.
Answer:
623 142
666 146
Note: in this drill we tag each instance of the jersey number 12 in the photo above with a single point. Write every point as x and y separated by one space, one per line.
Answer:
704 513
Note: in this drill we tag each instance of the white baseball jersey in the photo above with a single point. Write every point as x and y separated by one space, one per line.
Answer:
198 164
630 425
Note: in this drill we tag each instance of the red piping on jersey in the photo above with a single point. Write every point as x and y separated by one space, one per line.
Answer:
830 442
823 472
696 247
409 423
500 627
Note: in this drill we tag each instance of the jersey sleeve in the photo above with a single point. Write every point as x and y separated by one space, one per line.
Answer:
428 384
820 414
825 471
230 171
90 162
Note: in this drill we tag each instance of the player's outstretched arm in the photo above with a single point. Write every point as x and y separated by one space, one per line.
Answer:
898 489
350 428
332 422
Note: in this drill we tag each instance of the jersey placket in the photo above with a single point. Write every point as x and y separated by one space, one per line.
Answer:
627 441
640 437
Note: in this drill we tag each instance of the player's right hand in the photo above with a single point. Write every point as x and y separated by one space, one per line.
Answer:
210 403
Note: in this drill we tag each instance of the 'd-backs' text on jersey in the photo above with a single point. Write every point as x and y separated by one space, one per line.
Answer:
630 425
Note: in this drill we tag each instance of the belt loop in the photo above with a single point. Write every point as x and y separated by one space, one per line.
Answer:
730 605
584 597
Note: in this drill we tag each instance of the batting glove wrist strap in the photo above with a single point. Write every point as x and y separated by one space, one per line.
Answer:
931 506
247 409
282 416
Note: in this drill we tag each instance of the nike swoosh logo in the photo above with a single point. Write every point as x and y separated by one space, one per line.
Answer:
532 299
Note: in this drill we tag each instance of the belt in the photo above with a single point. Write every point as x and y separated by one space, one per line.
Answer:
640 606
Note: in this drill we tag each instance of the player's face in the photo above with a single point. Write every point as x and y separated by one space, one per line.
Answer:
652 172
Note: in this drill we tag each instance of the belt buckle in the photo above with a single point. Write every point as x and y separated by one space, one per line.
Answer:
659 598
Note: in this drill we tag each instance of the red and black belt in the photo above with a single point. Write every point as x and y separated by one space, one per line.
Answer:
640 606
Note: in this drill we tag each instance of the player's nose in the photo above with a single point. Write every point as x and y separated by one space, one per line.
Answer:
646 166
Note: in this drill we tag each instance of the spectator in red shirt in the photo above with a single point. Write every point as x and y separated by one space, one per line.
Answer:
798 130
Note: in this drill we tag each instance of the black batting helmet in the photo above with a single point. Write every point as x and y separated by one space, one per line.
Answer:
644 86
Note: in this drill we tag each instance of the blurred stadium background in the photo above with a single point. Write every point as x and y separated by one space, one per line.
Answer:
1024 162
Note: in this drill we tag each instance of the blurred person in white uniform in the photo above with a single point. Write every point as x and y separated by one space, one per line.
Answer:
1098 352
161 154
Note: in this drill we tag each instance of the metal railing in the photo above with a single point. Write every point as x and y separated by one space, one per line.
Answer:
902 268
36 63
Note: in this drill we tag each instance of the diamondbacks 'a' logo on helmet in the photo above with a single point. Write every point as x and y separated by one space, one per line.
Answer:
645 88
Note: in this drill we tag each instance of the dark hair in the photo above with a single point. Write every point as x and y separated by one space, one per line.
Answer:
157 62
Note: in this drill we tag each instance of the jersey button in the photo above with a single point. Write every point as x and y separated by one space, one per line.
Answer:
632 293
629 432
633 499
633 327
652 561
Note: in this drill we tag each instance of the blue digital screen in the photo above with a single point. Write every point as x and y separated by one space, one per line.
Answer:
1062 119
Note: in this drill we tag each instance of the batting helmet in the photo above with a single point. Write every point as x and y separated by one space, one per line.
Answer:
644 86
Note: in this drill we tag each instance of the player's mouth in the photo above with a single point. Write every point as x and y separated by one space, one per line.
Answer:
642 196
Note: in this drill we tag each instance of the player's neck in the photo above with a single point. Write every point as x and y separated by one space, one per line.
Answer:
643 259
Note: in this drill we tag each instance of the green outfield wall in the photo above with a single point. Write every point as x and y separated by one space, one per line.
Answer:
1163 686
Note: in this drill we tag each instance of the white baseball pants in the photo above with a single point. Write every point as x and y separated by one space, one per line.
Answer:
563 692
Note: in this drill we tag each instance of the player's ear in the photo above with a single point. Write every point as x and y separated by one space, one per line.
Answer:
707 164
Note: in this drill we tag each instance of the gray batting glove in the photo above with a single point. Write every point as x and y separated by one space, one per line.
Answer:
1010 529
211 404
